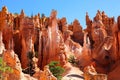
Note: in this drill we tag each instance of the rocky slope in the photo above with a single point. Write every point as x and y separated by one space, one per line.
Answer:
28 44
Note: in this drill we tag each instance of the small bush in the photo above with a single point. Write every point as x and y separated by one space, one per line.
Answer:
56 70
36 54
72 60
30 55
30 67
4 68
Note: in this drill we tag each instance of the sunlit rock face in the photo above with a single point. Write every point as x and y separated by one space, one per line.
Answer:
27 32
76 28
116 33
91 74
103 45
2 46
51 39
45 74
13 61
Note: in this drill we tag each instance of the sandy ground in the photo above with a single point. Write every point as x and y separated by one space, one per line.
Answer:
72 73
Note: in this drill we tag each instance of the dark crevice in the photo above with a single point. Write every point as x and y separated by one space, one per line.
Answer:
75 75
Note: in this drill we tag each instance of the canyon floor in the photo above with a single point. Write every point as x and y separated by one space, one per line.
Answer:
72 73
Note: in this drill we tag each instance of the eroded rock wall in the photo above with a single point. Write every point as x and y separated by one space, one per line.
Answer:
52 39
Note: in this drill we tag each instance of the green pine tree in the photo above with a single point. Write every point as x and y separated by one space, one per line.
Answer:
56 70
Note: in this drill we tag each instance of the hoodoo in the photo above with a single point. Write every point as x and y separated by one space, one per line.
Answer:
29 44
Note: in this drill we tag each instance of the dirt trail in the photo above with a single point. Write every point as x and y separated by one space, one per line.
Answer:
72 73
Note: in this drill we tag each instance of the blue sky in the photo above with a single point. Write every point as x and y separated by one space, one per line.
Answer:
71 9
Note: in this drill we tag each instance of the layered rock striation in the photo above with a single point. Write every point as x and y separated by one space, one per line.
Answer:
23 39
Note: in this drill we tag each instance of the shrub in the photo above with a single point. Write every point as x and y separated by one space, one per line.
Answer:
56 70
72 60
30 67
36 54
4 68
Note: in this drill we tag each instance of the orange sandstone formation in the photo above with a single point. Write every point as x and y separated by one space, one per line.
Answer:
50 39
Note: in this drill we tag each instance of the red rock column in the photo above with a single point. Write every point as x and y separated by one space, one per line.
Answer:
2 48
